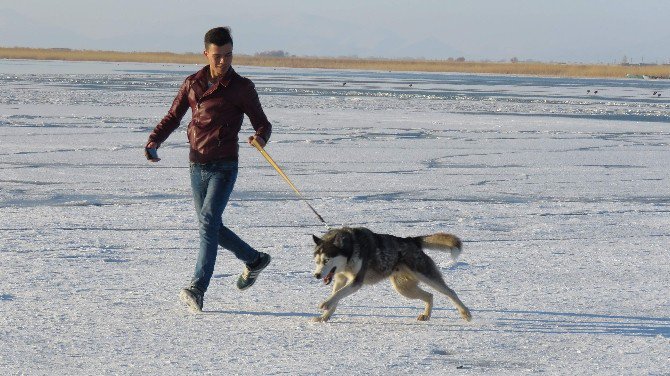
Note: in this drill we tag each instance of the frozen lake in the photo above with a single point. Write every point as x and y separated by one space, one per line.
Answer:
561 194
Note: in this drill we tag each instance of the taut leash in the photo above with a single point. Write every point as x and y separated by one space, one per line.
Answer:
283 175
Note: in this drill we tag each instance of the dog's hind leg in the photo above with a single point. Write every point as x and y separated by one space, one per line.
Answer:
408 286
435 281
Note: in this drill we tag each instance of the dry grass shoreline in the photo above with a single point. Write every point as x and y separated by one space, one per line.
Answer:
519 68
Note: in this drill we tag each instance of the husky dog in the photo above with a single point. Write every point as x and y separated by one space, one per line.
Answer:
354 257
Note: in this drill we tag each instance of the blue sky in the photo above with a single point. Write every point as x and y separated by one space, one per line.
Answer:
590 31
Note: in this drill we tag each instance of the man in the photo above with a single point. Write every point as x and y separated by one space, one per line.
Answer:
218 98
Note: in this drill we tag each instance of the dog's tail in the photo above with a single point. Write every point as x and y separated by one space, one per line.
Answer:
443 242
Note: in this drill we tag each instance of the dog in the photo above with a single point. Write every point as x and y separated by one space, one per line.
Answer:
354 257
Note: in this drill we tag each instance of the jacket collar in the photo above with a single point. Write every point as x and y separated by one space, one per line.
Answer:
201 76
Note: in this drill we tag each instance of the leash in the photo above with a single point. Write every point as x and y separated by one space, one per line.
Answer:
283 175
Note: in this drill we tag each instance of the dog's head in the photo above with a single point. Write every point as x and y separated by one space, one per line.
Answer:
331 254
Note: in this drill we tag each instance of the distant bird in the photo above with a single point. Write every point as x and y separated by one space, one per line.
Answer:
410 85
595 92
344 83
659 94
588 91
655 93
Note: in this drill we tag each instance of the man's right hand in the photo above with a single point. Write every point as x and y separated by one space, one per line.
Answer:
151 145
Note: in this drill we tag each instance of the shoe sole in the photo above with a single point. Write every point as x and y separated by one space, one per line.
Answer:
259 270
187 298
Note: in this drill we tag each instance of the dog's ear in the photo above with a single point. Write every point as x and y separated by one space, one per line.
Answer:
342 241
317 240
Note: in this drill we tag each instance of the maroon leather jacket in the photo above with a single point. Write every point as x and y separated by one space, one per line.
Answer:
217 115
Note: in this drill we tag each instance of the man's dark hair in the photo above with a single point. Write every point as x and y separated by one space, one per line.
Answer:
219 36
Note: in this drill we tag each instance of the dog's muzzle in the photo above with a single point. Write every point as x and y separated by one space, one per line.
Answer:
327 278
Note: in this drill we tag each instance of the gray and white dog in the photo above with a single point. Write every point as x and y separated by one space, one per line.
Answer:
354 257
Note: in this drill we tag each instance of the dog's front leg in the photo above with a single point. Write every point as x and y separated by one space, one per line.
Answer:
331 303
325 316
342 293
340 281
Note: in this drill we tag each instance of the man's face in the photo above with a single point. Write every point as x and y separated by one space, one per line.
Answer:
220 58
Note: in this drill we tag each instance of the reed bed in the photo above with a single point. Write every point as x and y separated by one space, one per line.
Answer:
518 68
90 55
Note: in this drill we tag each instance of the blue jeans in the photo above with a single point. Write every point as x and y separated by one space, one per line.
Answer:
212 184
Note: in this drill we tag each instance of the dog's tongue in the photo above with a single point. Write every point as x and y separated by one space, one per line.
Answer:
327 279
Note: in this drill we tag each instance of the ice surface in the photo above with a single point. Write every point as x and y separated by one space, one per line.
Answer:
561 196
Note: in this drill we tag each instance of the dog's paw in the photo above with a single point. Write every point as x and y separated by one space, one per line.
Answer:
465 314
320 319
423 317
326 305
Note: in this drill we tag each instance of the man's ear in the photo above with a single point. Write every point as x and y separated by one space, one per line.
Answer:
317 240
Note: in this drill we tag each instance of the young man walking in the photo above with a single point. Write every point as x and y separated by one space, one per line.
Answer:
218 98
